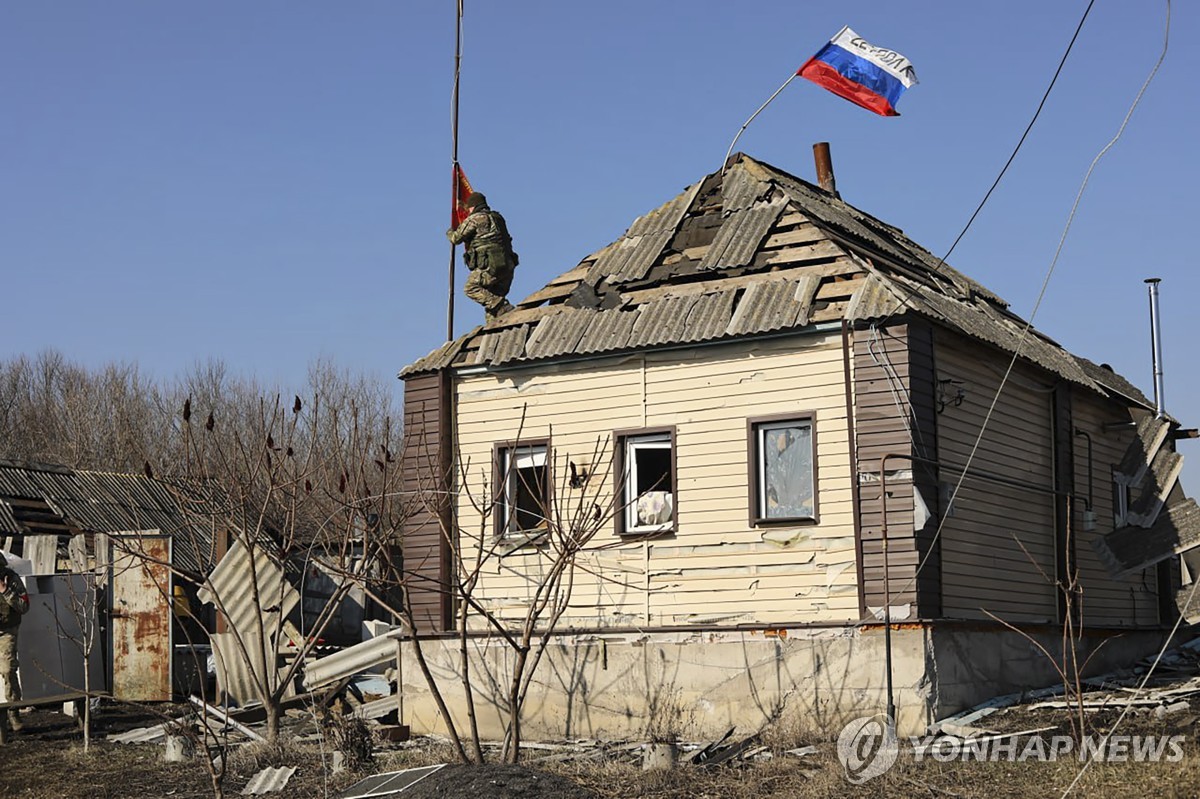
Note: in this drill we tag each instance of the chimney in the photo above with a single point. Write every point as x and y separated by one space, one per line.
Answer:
825 168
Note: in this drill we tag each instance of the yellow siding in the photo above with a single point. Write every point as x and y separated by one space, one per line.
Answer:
717 568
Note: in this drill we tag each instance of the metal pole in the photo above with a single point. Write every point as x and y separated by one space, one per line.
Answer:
746 124
1156 346
454 157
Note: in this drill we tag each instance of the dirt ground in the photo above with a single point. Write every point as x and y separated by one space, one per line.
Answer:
47 760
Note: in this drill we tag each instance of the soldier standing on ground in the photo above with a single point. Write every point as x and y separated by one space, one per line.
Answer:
14 602
489 256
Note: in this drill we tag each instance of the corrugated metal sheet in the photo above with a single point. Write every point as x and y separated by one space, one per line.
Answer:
661 322
778 305
741 190
269 780
609 331
351 660
16 482
142 735
503 345
741 234
709 317
873 300
104 502
631 257
558 334
231 582
8 522
897 268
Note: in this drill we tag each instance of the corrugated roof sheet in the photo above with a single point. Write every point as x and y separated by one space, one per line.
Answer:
232 580
741 190
269 780
106 502
778 305
740 235
741 210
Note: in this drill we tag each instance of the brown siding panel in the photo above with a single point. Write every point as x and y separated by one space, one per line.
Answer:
424 545
893 401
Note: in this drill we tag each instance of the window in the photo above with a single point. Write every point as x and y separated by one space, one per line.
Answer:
524 482
647 467
782 470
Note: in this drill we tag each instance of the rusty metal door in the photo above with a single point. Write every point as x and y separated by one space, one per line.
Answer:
140 591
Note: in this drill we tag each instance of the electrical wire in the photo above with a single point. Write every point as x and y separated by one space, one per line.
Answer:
1042 294
1012 157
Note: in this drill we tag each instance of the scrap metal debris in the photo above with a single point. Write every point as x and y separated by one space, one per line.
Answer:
269 780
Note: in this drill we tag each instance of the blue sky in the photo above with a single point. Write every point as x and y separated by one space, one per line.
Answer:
268 182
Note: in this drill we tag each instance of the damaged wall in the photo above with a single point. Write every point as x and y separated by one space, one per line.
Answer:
694 685
717 568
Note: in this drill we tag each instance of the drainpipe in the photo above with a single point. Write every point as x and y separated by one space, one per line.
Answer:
887 583
1156 346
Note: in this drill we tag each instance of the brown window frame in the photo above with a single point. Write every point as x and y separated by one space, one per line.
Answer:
500 506
752 468
621 437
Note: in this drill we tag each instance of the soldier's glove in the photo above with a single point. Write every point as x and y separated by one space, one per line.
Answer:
450 234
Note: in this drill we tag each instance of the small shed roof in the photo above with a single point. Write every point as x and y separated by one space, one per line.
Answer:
38 498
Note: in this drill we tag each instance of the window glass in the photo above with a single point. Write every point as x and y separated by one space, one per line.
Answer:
785 470
523 504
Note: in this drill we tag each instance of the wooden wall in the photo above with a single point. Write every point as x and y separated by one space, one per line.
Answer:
717 568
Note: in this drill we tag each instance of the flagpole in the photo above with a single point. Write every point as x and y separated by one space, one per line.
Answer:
454 157
751 119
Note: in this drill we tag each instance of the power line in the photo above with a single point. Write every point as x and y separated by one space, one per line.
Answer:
1012 157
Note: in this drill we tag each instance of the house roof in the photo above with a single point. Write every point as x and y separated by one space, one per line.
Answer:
751 252
42 499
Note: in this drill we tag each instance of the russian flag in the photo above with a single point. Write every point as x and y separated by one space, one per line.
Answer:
869 76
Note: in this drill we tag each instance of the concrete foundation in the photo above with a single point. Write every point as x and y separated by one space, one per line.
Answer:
696 685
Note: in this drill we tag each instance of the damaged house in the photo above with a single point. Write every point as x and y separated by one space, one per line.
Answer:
781 395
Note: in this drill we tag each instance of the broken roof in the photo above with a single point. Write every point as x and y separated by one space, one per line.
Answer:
42 499
751 252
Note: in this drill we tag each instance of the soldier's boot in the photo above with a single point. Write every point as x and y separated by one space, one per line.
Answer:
494 313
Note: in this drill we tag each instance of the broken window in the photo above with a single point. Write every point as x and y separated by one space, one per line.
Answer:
648 494
524 480
783 484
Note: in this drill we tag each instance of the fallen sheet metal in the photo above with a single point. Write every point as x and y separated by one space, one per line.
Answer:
269 780
389 783
351 660
228 588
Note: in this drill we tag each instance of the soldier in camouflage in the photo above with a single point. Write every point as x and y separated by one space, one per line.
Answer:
14 603
489 256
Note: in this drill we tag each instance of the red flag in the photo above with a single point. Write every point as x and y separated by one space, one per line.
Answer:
462 190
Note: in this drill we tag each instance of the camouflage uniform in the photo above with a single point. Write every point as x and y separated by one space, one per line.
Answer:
490 258
14 602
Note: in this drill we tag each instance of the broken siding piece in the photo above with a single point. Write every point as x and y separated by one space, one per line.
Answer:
1131 549
1149 437
1155 487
